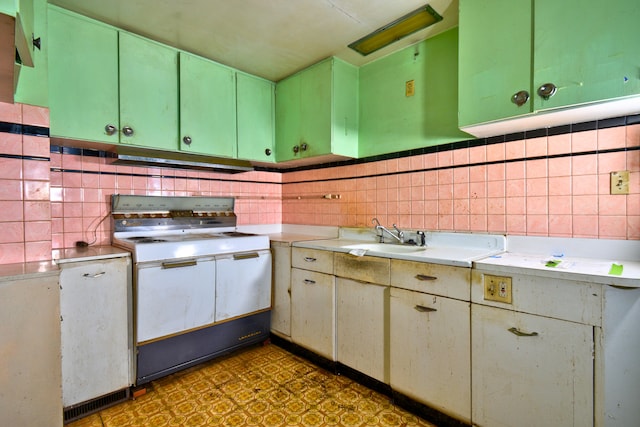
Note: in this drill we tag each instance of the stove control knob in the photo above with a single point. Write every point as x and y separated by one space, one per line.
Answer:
124 222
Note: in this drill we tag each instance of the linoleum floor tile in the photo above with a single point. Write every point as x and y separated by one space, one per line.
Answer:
260 386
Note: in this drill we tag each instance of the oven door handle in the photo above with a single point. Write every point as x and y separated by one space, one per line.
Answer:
179 264
246 255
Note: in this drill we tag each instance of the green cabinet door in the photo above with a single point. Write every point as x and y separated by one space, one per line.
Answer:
589 50
207 107
494 59
33 85
255 105
83 76
315 109
148 93
288 116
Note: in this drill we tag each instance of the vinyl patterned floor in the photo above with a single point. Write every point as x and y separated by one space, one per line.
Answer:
260 386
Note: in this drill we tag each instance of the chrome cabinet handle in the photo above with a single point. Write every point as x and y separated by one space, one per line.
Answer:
423 309
110 129
296 149
304 146
309 282
310 259
267 151
93 276
547 90
248 255
424 277
520 98
127 131
179 264
187 140
519 333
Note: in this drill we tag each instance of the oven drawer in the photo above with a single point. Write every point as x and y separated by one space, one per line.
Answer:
174 296
243 284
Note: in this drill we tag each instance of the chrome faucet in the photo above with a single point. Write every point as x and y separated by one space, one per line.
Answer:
400 234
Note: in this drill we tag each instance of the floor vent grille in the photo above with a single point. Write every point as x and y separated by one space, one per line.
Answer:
73 413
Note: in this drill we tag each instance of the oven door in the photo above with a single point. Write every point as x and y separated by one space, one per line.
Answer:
174 296
243 284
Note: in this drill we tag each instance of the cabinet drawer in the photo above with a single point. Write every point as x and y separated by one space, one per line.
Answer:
365 268
445 280
552 297
312 259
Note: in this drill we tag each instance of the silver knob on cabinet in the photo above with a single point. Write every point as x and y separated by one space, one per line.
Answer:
110 129
186 140
267 151
520 98
304 146
296 149
127 131
547 90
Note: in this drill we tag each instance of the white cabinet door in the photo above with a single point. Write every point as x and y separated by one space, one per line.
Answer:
174 297
530 380
430 351
281 310
243 284
96 334
362 311
313 301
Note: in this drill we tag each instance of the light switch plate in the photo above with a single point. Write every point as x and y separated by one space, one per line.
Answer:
497 288
410 88
620 182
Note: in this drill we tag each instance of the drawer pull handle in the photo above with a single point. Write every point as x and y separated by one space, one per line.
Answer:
519 333
246 256
309 282
423 309
309 259
94 276
424 277
179 264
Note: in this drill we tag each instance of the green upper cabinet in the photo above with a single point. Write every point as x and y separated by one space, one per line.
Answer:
545 55
107 86
207 107
494 59
83 76
317 112
148 93
255 117
32 87
23 12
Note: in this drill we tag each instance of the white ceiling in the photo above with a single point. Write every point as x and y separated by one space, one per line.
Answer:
268 38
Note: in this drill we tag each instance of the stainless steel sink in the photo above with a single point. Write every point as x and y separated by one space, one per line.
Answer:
387 248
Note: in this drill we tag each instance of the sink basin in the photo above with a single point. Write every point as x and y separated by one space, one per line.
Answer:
387 247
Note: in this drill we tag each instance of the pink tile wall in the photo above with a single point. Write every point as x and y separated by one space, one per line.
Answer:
52 204
527 188
81 189
25 213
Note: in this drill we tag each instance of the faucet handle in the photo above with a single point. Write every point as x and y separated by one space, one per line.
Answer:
423 238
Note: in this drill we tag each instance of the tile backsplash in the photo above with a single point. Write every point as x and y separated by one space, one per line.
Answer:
51 197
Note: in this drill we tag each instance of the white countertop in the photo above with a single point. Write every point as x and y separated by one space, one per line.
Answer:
89 253
447 255
565 267
27 270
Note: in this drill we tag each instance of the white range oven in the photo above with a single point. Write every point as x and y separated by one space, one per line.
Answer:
201 289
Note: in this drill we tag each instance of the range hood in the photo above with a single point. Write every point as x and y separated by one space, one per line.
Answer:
138 157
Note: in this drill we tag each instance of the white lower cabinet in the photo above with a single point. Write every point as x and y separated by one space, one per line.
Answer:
313 317
281 298
96 328
363 310
430 351
530 371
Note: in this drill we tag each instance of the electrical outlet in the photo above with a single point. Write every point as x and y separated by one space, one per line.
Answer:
497 288
620 182
410 88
